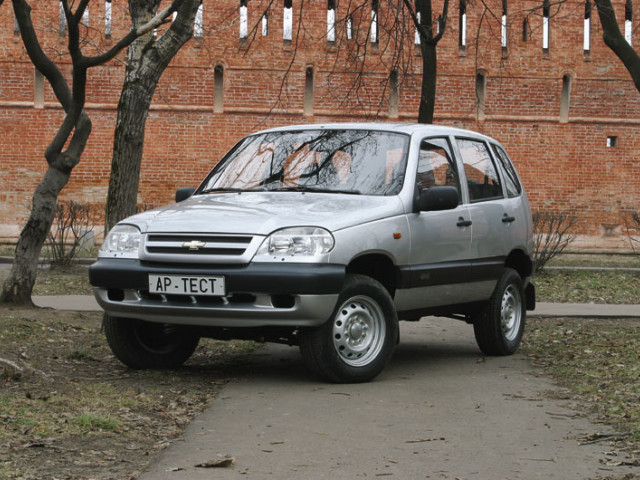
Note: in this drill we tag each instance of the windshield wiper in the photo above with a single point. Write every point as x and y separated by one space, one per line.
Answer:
305 188
223 190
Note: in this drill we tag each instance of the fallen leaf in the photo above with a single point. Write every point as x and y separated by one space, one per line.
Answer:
224 463
174 469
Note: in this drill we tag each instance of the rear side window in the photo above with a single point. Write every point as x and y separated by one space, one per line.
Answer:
482 175
514 188
435 165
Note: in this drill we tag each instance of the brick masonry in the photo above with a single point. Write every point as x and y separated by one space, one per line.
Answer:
198 114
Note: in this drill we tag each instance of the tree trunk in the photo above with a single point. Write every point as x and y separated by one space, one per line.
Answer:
428 90
128 143
616 42
430 34
19 284
147 60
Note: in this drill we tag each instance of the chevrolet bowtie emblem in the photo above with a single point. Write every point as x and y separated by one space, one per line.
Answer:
193 244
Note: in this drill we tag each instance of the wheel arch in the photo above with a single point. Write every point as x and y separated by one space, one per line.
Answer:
377 266
520 262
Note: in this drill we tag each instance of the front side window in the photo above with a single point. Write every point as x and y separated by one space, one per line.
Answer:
514 188
435 165
346 161
483 181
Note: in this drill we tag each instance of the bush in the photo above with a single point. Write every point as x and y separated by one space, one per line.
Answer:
71 229
633 231
552 234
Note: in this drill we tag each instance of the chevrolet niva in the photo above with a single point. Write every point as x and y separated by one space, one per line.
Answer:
325 236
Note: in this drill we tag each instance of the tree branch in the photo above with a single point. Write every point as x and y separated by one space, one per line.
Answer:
614 39
185 19
425 24
128 39
37 56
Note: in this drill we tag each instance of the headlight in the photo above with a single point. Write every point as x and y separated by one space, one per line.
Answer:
299 241
122 241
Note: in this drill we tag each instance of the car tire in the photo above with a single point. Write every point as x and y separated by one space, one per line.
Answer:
357 342
148 345
500 326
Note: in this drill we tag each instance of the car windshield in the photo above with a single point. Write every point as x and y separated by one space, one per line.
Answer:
341 161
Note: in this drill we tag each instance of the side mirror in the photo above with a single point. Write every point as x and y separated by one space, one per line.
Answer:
438 198
183 193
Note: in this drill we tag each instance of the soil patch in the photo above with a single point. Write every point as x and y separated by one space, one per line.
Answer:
69 410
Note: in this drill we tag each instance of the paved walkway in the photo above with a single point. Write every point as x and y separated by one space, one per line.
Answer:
440 410
591 310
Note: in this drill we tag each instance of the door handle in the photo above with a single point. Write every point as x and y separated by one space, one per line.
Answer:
508 219
463 223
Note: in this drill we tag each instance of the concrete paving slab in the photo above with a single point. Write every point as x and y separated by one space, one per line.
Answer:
440 410
587 310
67 302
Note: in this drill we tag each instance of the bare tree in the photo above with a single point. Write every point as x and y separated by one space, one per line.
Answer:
148 57
65 150
431 31
366 35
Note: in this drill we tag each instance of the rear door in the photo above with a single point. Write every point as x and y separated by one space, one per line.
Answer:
491 213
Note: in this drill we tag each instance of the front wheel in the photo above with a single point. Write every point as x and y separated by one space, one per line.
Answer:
500 326
139 344
359 338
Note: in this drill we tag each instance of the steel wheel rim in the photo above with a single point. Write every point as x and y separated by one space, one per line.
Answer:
359 331
511 313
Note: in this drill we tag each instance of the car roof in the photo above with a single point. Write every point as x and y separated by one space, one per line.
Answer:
406 128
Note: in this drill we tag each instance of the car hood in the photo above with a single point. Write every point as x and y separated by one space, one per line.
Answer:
263 213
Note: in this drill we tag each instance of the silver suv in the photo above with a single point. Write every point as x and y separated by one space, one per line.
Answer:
324 236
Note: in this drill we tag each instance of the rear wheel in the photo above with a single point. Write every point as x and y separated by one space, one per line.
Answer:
139 344
500 325
359 338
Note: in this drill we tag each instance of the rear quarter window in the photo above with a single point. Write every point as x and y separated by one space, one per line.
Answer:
514 188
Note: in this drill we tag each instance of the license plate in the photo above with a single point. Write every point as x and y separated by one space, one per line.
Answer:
187 285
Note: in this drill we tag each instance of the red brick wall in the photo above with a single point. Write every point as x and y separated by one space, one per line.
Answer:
565 165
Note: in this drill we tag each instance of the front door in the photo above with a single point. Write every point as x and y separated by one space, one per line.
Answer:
441 241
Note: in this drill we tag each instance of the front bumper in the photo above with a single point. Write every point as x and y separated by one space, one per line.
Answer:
260 294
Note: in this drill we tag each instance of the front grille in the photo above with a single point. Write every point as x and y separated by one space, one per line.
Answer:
201 300
196 245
